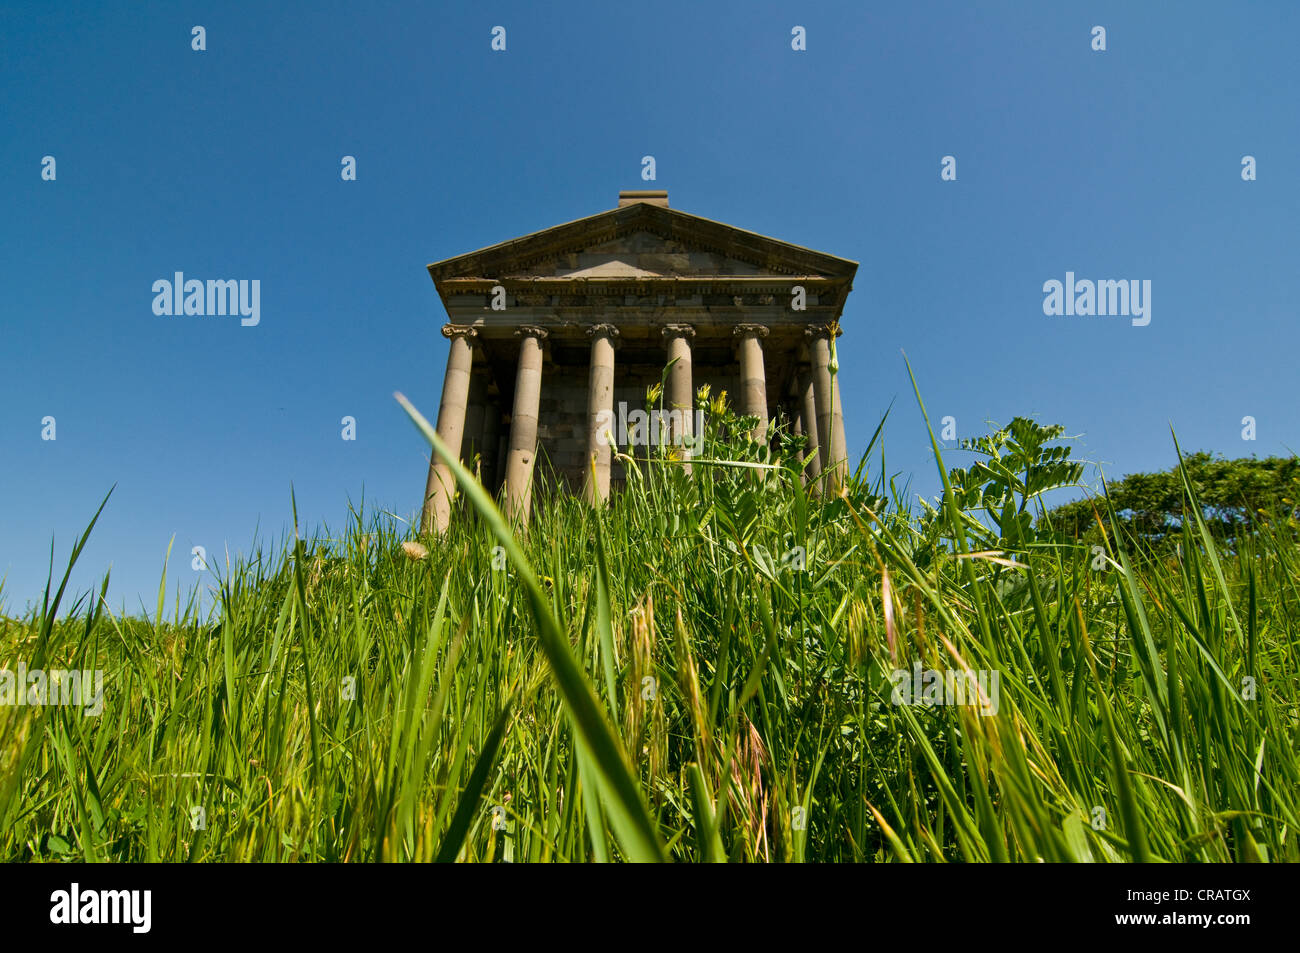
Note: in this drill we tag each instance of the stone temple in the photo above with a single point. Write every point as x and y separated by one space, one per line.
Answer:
556 336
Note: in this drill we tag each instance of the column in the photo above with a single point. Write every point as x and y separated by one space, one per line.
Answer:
491 448
830 431
440 488
753 377
472 442
523 423
808 417
681 393
503 458
837 424
600 412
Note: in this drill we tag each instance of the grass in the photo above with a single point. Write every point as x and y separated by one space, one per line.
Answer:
700 671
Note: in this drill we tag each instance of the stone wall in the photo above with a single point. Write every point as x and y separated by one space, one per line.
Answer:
562 427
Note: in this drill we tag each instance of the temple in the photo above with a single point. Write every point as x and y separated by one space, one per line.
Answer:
556 334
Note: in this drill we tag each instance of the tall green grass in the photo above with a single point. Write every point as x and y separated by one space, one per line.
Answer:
661 679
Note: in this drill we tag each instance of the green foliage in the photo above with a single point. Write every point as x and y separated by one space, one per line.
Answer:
704 670
1233 495
1017 468
993 502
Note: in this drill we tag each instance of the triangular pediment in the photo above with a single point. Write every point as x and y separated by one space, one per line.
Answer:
643 241
640 254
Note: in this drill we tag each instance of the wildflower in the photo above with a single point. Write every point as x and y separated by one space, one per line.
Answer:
719 406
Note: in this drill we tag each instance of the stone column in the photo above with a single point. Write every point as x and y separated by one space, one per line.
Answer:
472 442
440 488
600 412
523 423
837 423
808 417
829 430
503 458
681 392
753 377
491 449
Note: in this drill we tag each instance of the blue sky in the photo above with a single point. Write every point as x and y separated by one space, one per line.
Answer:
225 164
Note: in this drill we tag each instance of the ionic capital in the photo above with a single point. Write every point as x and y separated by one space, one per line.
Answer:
451 331
602 330
678 331
531 331
756 330
823 331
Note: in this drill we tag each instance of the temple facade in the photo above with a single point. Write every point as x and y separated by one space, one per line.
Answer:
555 338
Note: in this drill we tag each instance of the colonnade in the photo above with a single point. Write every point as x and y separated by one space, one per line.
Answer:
818 412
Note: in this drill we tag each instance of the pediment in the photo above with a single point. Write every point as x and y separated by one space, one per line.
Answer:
643 241
640 254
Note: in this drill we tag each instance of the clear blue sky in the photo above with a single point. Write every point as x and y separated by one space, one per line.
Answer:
225 164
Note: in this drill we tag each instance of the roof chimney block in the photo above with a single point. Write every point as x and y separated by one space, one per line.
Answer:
650 197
